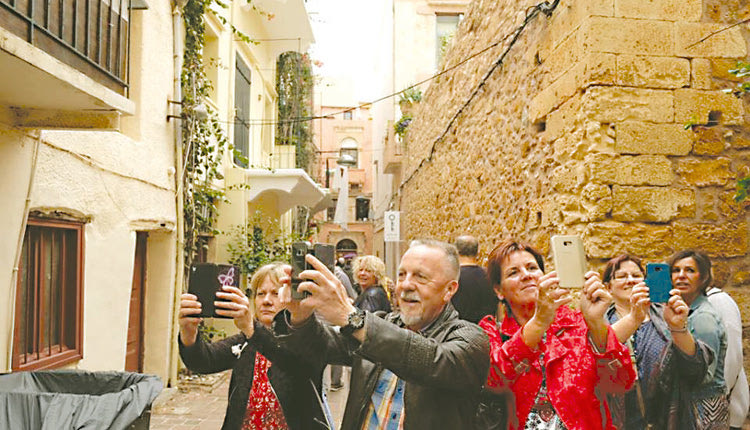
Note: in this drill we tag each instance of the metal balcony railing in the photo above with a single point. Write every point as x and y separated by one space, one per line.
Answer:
89 35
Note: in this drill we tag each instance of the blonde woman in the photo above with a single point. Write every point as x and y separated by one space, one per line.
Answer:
271 388
369 273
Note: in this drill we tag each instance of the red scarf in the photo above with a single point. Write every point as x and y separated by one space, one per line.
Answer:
263 407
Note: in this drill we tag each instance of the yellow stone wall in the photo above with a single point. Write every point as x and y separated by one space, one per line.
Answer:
582 131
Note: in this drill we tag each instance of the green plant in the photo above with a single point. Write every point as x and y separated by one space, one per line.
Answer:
258 243
410 95
294 85
401 125
209 332
203 139
742 71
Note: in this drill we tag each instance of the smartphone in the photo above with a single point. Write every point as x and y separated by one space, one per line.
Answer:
570 260
659 282
206 279
323 252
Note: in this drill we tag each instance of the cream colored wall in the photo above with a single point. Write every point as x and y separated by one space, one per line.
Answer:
16 154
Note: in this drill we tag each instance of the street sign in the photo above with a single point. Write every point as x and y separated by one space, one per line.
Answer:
391 226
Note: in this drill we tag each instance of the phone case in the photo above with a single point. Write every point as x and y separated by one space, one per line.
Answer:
208 278
570 260
659 282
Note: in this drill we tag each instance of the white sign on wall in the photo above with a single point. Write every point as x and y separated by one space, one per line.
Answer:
391 226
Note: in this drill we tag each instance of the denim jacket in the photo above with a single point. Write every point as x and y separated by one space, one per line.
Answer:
705 324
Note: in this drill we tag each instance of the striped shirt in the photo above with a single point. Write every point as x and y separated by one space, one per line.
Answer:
386 410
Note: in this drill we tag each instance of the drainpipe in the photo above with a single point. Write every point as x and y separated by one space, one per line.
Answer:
177 40
19 247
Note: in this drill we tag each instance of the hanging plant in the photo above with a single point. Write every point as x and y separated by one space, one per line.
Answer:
294 85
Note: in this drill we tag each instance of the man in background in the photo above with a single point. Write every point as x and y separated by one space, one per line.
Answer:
475 297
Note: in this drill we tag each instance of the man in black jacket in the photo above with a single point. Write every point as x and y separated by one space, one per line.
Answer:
422 364
475 297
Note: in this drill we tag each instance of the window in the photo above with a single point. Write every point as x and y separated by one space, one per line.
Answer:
48 320
242 113
348 115
445 29
349 152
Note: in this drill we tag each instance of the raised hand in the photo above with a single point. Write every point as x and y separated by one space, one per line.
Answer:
595 299
639 302
328 296
189 308
676 311
237 306
550 298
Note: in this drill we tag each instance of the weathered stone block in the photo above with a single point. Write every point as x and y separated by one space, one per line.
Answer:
636 137
666 10
627 170
609 238
615 104
653 72
629 36
562 119
562 57
656 204
703 173
722 44
568 17
726 240
709 140
729 208
690 105
597 202
594 69
700 74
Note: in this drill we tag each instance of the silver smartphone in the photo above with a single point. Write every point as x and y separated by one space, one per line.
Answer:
570 260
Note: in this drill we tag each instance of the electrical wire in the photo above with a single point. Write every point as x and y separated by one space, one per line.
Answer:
543 7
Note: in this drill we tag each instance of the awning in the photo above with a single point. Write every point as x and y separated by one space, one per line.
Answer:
292 187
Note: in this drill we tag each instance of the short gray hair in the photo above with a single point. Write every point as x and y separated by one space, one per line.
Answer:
450 252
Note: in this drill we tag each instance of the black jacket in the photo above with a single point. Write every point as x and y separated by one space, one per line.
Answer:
373 299
444 366
295 380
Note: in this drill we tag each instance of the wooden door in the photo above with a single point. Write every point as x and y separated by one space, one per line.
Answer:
134 351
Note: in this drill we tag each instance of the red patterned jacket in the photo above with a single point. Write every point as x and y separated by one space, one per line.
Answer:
578 378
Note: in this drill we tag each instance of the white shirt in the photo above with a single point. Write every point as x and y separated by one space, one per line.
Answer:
734 372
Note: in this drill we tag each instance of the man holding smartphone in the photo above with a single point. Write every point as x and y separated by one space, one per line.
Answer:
424 349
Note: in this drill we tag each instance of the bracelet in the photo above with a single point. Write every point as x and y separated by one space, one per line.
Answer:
679 330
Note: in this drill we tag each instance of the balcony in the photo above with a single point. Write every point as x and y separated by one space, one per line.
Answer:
394 152
64 62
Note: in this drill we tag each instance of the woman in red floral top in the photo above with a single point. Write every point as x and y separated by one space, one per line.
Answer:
271 388
557 363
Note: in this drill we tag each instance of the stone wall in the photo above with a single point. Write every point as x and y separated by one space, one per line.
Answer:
582 130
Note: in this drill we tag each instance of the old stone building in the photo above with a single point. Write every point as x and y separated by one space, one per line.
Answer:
582 129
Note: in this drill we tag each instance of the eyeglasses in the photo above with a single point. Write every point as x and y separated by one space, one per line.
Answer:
622 276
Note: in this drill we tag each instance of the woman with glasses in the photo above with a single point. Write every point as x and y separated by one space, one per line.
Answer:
557 362
676 346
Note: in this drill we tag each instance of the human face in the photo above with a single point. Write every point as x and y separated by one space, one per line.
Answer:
623 280
424 287
519 279
267 301
366 278
687 278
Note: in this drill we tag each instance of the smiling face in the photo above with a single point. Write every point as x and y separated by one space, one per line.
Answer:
686 277
267 301
624 278
519 279
424 286
366 278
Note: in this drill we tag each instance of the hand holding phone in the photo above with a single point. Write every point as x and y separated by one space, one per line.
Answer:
206 279
659 282
570 260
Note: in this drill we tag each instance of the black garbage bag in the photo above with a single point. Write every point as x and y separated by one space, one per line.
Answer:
72 399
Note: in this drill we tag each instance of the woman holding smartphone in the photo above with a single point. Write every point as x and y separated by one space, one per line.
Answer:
558 363
271 388
672 357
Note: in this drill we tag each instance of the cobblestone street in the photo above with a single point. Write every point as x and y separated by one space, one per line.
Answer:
201 404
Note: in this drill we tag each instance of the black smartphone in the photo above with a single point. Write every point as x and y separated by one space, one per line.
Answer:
659 282
206 279
322 251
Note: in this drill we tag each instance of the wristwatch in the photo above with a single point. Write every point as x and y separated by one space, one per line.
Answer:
355 321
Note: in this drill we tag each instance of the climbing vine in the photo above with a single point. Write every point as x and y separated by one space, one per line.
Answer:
740 90
294 85
203 139
258 243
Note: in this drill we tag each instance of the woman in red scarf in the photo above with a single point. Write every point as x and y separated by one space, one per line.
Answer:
271 388
557 363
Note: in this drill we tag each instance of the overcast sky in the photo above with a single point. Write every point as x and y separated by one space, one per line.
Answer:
346 34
